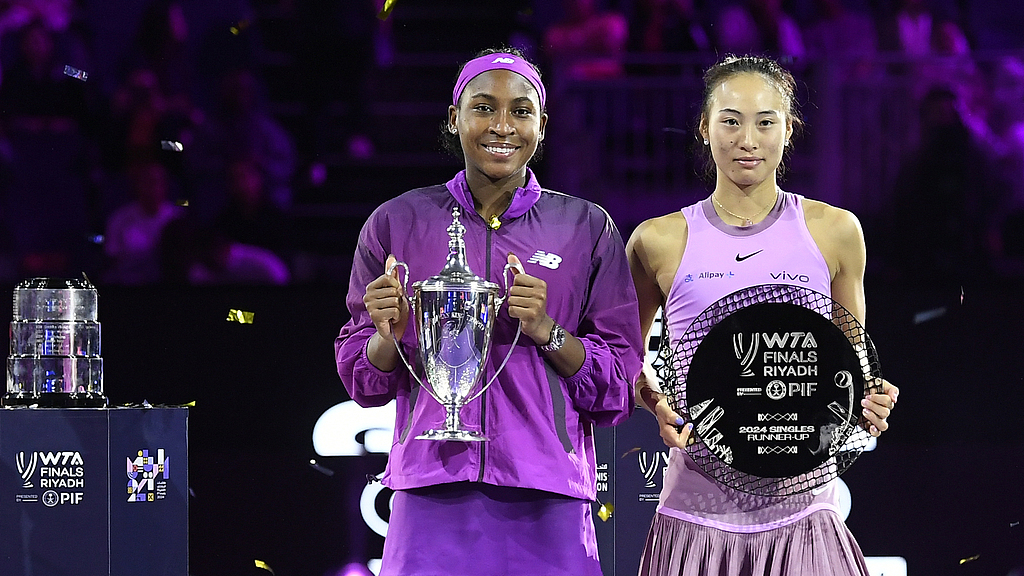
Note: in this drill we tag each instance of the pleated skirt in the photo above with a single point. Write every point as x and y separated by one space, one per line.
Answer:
472 529
817 545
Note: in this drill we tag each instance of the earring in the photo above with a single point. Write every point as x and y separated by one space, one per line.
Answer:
787 143
453 129
705 141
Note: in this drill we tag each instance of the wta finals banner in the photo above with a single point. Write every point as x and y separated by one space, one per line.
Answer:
93 491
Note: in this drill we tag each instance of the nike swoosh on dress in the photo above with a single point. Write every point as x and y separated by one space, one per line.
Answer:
742 258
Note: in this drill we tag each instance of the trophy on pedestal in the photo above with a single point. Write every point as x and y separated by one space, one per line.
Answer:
54 359
454 313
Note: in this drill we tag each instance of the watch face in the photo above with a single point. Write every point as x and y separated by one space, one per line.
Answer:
555 340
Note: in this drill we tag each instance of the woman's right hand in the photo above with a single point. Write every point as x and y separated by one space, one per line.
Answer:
675 432
386 303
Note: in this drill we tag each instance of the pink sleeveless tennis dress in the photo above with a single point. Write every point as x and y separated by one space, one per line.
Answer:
724 531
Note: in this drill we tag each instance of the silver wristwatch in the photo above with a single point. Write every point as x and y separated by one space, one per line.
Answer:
555 340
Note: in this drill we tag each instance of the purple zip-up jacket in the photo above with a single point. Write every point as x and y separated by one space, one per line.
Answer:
539 425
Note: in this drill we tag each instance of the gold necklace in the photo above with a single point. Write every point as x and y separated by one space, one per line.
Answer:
746 221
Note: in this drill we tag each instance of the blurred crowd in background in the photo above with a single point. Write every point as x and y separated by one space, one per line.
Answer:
176 142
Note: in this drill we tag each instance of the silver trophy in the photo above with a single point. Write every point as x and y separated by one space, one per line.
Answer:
54 357
454 314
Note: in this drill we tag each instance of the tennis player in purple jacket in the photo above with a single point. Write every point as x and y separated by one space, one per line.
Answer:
521 502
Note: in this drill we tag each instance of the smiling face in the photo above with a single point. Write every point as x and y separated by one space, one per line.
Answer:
747 127
500 124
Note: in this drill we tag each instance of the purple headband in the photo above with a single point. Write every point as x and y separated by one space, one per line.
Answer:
498 61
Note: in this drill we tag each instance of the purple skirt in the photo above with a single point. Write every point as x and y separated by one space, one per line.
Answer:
818 544
477 529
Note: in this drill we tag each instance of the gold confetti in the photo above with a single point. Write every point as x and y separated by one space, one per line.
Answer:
970 559
264 565
631 451
240 316
494 223
182 202
606 511
171 146
238 28
389 5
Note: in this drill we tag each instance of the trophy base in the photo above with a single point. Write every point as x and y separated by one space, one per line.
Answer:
18 399
72 400
56 400
456 435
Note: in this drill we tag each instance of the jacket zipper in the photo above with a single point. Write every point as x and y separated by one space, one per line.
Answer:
483 397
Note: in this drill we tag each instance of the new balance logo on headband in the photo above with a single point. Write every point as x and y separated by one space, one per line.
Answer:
545 259
503 60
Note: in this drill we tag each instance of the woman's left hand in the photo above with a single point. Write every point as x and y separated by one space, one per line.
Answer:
878 407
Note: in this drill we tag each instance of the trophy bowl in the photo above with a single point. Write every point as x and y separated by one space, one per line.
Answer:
453 313
453 329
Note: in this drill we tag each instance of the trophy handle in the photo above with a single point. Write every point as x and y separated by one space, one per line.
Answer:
405 281
519 330
408 366
504 277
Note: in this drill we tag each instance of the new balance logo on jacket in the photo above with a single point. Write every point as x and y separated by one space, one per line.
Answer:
545 259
